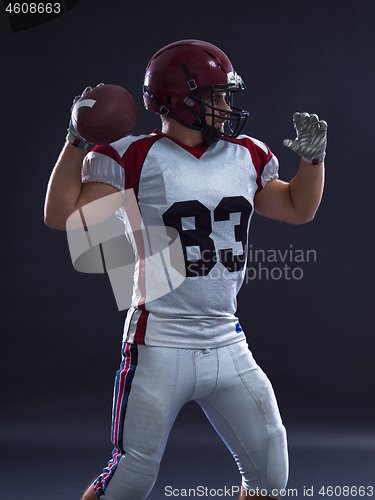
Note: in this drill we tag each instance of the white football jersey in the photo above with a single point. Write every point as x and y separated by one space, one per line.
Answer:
205 195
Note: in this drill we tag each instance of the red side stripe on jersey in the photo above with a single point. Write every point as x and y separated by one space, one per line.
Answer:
140 332
132 162
259 157
135 222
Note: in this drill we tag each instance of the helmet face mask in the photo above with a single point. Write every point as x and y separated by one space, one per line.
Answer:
194 73
234 118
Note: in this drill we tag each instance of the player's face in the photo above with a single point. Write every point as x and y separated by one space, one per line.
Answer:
219 101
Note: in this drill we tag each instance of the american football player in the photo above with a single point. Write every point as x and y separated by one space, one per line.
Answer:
201 176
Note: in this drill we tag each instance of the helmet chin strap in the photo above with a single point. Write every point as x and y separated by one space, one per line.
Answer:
210 134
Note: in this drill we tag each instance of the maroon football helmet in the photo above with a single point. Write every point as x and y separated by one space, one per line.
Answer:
187 70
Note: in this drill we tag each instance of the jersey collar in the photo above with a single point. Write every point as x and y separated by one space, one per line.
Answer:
197 152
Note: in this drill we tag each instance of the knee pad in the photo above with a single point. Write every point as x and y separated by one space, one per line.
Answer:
273 475
278 465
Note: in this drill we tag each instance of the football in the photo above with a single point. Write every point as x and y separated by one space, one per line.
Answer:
105 114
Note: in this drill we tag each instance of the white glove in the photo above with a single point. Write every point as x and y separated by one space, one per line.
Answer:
73 137
311 140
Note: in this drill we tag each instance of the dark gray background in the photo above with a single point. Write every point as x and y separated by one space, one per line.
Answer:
314 337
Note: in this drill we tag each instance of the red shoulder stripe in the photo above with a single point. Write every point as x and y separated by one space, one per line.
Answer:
108 150
133 160
258 155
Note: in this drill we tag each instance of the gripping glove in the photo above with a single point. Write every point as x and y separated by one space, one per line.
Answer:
311 140
73 137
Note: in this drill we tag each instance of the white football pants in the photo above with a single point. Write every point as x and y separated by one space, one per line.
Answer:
154 383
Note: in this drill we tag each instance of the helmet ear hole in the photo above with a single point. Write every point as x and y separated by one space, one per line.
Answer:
174 101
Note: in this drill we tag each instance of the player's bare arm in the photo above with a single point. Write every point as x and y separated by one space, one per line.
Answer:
297 202
66 193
